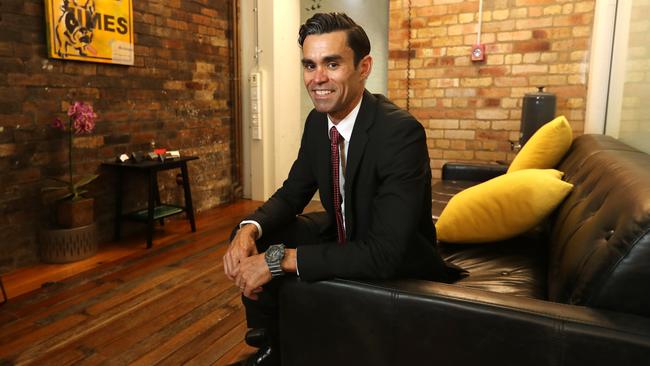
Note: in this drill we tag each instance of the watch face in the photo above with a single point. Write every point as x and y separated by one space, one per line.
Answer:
274 254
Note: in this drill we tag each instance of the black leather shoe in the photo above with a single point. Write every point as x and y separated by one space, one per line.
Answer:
265 356
256 337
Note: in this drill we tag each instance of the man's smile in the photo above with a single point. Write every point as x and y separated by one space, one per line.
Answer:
322 93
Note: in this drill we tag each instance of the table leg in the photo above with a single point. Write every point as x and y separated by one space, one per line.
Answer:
4 293
117 234
189 209
157 193
150 207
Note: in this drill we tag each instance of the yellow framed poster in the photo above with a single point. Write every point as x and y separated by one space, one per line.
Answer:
90 30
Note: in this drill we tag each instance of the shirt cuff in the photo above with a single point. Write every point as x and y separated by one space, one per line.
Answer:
297 266
257 225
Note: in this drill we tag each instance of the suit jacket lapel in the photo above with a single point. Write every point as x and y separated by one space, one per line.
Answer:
365 119
323 162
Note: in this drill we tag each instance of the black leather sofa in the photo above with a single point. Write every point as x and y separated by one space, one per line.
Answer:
575 291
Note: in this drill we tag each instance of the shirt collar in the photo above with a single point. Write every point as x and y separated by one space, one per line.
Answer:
347 123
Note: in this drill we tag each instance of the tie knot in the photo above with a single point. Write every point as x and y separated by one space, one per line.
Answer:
334 135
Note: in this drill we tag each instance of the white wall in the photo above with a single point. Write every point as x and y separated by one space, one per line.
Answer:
634 117
266 162
599 65
619 76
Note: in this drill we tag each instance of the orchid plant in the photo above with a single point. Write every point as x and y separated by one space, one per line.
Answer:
81 120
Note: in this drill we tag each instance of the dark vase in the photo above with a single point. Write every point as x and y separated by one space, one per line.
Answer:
75 213
68 245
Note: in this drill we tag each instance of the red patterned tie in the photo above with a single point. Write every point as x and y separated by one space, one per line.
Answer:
335 138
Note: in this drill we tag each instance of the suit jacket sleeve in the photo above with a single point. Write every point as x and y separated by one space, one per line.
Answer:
295 193
392 245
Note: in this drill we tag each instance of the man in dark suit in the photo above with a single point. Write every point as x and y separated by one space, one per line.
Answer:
369 161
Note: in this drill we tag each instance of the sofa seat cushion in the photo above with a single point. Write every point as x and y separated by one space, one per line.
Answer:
443 190
516 266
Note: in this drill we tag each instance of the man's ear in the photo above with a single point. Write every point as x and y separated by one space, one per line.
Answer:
365 65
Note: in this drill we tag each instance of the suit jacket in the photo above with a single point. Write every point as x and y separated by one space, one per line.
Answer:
387 198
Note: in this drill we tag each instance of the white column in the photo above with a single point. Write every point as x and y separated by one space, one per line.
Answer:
599 66
267 161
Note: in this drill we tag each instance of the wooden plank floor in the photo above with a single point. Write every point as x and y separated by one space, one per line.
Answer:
168 305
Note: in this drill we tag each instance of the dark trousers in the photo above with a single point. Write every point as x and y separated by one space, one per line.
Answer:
307 229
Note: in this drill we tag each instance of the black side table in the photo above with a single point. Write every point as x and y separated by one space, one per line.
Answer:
155 209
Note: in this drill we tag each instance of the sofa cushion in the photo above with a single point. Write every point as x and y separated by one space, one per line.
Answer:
600 243
502 207
516 266
545 148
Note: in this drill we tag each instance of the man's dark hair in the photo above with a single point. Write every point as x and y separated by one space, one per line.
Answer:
322 23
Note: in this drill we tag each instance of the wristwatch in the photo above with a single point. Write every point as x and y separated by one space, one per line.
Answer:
273 257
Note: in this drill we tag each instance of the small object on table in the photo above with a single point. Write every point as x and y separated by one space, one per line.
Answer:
172 154
152 156
122 158
160 153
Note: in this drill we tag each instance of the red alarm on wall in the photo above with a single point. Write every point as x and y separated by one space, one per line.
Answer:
478 52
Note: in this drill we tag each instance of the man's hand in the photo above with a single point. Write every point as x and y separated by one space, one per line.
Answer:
241 247
253 273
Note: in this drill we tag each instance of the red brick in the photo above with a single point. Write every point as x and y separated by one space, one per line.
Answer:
531 46
493 71
401 54
7 150
492 135
573 20
463 7
460 113
539 34
491 49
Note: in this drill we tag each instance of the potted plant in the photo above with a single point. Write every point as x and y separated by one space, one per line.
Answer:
75 235
73 209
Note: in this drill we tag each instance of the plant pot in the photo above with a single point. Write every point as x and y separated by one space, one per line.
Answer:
75 213
68 245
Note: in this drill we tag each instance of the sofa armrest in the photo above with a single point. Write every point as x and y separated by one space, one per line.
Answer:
342 322
472 172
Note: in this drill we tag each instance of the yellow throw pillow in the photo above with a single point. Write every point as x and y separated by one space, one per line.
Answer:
502 207
546 147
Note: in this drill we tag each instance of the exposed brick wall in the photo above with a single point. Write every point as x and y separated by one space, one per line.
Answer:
471 110
177 93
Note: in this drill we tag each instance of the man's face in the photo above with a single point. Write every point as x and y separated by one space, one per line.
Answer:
334 85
